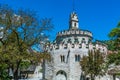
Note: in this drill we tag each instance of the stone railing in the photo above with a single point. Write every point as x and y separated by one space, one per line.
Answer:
75 32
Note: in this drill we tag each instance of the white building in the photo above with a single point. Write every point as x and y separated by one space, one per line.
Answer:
1 32
68 49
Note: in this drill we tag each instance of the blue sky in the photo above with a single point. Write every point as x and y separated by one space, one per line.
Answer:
97 16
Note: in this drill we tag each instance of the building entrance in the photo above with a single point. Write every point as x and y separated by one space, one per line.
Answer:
61 75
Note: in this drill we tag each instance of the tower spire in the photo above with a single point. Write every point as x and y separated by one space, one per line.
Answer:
73 22
73 6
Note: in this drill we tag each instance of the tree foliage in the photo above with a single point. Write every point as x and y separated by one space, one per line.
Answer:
93 64
115 37
114 34
113 58
110 44
21 30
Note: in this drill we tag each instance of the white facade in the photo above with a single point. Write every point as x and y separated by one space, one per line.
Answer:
67 51
1 32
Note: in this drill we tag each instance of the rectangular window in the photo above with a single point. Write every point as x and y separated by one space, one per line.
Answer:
62 57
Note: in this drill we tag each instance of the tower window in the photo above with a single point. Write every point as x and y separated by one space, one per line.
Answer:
83 40
80 46
77 58
87 46
73 45
89 40
62 58
69 41
75 24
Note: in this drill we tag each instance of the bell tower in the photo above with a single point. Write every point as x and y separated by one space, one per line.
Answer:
73 23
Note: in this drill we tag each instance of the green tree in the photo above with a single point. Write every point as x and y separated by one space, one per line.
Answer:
115 43
21 31
93 64
115 37
110 44
114 57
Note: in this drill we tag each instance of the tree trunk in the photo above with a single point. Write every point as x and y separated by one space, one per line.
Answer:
16 74
16 71
114 77
43 67
92 77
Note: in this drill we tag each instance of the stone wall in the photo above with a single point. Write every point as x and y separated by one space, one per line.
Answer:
69 65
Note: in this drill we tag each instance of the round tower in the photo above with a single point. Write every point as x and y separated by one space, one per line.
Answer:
68 49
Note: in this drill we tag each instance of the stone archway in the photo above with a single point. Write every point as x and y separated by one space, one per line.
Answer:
61 75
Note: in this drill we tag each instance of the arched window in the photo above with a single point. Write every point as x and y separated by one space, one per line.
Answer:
77 58
62 57
83 38
69 41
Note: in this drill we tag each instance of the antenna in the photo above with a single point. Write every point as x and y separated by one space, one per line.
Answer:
73 5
